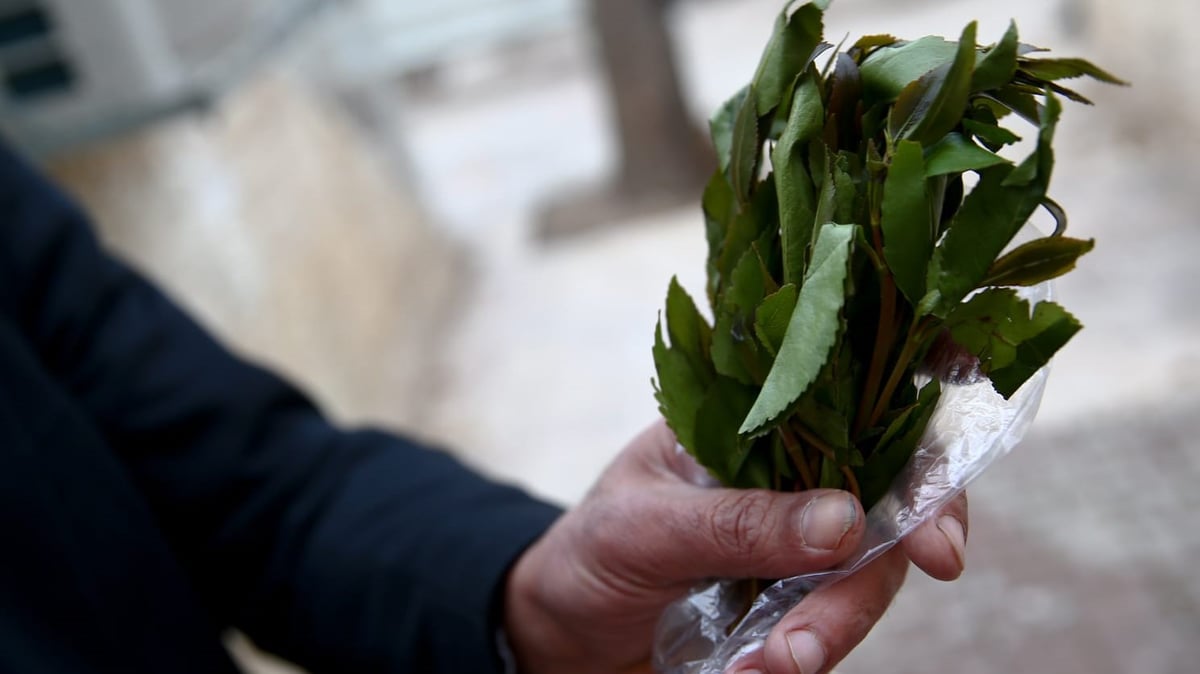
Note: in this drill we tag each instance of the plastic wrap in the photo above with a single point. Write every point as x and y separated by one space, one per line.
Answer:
971 428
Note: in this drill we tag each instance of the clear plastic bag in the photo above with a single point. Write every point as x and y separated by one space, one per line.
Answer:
971 428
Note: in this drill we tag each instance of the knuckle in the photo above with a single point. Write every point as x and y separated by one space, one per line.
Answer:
609 520
738 521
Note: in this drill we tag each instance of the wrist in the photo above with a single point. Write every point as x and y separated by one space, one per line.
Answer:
535 639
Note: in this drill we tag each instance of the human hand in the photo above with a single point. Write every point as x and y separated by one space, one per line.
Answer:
586 597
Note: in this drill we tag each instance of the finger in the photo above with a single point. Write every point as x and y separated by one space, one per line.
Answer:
938 547
693 533
656 455
653 455
822 629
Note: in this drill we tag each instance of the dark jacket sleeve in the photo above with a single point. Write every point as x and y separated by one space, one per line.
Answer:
343 551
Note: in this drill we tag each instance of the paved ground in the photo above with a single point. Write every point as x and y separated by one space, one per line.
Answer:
1083 543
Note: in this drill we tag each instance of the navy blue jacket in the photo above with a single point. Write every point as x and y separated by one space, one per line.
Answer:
155 490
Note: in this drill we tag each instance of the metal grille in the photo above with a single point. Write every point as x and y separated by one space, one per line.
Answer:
33 63
72 71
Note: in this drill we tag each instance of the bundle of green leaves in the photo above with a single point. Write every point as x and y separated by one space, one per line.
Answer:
845 252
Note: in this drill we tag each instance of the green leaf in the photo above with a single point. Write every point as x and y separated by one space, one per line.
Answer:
897 445
779 458
752 223
1053 327
945 196
679 390
720 211
837 199
779 117
772 317
933 105
722 124
990 325
830 421
688 330
904 421
845 98
869 43
743 155
720 208
914 103
827 198
1067 68
995 327
1036 169
985 108
1020 102
813 329
1037 261
718 447
727 353
818 164
888 70
787 54
831 474
956 154
993 134
999 64
827 408
989 218
1069 93
756 472
797 203
845 193
732 342
764 252
908 229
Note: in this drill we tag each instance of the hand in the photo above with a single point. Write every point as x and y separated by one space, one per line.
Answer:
586 597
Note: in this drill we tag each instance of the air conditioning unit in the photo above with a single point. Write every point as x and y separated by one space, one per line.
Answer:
72 70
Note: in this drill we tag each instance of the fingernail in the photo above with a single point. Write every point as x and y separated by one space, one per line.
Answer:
807 651
952 529
826 519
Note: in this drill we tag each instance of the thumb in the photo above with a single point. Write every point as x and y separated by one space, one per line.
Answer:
750 533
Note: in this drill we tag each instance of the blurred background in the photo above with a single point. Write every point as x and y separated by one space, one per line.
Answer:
458 219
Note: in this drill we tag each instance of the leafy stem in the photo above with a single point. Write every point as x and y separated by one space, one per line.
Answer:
884 336
812 439
823 447
912 344
852 483
876 260
885 330
796 453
